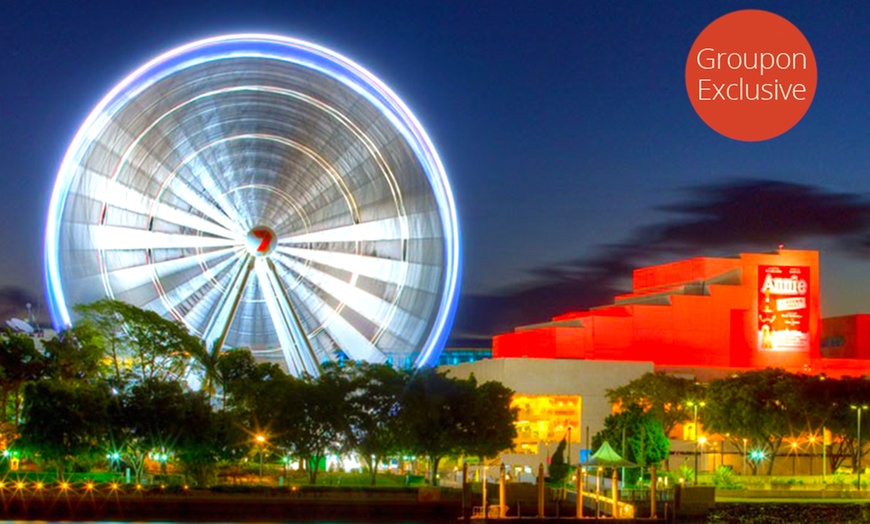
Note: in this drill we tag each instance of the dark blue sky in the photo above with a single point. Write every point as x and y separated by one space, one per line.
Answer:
564 126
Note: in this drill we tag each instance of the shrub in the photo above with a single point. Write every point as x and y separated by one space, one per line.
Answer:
723 478
687 473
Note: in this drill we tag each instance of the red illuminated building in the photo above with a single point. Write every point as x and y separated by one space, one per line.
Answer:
752 311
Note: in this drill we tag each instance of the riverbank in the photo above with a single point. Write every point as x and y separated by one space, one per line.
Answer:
788 513
423 505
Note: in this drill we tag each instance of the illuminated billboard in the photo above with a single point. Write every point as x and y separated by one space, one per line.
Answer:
783 308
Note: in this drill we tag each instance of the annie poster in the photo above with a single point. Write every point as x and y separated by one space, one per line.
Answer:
783 308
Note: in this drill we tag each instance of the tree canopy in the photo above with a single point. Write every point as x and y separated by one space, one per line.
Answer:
646 443
661 395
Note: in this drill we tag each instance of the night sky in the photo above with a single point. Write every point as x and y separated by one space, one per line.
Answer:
572 148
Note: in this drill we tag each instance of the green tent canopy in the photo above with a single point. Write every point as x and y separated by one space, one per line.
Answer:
607 457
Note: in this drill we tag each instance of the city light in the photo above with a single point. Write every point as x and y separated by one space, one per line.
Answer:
695 405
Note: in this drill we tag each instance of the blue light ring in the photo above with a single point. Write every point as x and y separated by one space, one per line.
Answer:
297 52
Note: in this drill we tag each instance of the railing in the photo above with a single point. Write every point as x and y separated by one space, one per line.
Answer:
603 501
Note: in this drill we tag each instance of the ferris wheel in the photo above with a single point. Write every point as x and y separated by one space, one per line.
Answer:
268 193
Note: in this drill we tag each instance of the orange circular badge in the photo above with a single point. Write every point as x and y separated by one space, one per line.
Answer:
751 75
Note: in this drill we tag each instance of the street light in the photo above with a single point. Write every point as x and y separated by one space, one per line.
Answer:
794 452
812 452
261 441
701 442
695 405
859 409
744 456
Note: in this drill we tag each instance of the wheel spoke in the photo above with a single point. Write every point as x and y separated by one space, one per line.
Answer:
198 315
350 341
226 215
170 300
382 314
294 342
118 238
218 326
132 277
385 229
420 276
117 195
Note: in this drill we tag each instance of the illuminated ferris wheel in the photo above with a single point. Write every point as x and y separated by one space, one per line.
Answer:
268 193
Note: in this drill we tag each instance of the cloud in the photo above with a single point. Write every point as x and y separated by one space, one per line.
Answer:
710 220
763 213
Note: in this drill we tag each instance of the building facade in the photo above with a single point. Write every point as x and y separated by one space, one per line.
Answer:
752 311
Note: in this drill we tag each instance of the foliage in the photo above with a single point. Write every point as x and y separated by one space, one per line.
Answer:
20 363
491 428
443 416
558 468
723 478
147 418
762 406
248 386
375 402
313 418
205 439
645 441
687 473
115 383
139 342
63 419
661 395
74 355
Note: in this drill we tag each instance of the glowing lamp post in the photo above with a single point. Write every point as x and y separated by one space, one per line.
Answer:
161 457
756 456
701 441
261 441
695 405
859 409
794 451
114 459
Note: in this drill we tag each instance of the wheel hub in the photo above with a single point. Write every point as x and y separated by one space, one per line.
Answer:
261 241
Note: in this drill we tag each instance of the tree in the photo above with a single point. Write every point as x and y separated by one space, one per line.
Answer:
828 404
63 419
374 405
205 438
205 364
491 427
558 469
762 406
20 363
242 381
150 417
76 354
444 417
312 417
102 318
142 341
661 395
646 443
433 417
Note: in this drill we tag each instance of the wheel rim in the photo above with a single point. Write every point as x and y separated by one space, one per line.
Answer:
268 193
